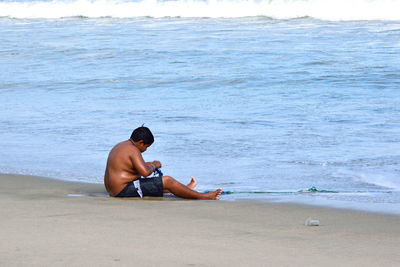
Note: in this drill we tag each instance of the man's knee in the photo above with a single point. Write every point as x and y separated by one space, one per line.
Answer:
167 180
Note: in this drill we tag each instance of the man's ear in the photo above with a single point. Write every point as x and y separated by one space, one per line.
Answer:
141 142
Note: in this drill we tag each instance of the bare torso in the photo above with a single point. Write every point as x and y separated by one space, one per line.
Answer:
121 167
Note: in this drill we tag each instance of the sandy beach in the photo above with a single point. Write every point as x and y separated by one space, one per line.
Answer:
46 222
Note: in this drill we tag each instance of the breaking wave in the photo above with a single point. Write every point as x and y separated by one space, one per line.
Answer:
383 180
334 10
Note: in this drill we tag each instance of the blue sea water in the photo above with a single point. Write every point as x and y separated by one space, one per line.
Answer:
262 98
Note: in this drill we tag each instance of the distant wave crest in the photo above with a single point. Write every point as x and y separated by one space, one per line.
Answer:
277 9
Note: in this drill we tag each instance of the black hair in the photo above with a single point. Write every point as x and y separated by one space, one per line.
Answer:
142 133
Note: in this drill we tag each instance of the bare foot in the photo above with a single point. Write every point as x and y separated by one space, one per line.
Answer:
213 195
192 183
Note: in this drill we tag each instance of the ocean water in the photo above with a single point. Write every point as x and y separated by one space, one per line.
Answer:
279 100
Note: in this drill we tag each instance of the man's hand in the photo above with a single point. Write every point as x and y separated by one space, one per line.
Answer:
156 164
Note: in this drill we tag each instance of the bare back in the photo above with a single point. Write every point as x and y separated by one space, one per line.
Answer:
122 167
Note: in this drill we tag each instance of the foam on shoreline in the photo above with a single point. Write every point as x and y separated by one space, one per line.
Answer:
319 198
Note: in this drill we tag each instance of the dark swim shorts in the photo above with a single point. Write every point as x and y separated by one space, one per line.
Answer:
149 187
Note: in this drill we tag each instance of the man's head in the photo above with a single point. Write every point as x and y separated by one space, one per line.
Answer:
142 134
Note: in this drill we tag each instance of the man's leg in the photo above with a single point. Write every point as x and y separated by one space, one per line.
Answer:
184 191
191 185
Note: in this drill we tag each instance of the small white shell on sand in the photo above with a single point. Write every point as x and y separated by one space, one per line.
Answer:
311 222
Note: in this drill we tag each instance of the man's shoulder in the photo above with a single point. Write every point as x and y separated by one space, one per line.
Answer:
128 146
123 146
123 151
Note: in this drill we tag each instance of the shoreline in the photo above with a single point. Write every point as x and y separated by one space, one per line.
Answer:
79 187
53 222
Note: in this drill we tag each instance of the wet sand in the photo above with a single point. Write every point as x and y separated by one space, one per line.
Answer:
46 222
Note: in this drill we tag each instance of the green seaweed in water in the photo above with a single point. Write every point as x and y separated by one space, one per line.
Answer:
314 189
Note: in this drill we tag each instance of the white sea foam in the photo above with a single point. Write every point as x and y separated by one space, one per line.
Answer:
389 181
392 182
278 9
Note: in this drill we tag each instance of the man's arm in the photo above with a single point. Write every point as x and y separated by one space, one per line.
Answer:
153 165
144 168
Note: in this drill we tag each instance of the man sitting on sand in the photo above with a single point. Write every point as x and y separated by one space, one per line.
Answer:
126 171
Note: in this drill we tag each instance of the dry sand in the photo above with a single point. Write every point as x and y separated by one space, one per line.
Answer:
42 224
